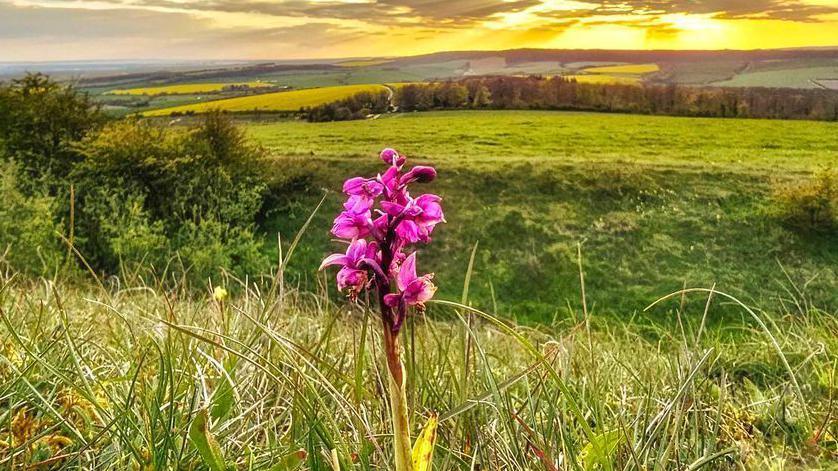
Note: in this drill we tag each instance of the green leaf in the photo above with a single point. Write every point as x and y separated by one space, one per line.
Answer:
224 397
423 448
600 450
206 444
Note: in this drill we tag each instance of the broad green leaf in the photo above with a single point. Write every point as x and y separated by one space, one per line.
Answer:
599 452
423 448
224 396
206 444
291 461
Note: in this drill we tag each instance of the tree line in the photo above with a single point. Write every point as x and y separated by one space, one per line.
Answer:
357 106
559 93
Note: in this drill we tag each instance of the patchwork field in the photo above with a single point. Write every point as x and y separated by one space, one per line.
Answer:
655 202
188 88
279 101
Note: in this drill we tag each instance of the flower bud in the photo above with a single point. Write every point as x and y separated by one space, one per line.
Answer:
420 174
392 157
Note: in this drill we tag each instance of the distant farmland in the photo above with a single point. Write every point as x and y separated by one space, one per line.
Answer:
629 69
804 77
188 88
603 78
625 74
279 101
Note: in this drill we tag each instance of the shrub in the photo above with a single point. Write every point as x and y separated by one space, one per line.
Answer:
146 192
116 232
205 247
41 122
810 205
28 231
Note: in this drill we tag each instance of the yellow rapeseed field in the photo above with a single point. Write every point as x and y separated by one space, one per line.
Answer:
186 88
279 101
629 69
623 80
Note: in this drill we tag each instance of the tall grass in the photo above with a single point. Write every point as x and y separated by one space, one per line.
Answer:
114 375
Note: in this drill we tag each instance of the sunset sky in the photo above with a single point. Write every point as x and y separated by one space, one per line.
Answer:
291 29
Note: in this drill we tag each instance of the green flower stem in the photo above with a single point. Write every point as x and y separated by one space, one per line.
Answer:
398 401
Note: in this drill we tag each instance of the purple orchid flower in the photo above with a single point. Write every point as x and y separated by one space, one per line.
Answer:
382 218
360 256
362 193
413 290
352 224
376 256
416 219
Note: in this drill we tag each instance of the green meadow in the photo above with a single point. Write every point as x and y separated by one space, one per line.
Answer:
653 204
616 292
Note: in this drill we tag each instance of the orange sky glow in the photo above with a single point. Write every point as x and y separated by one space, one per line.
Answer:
296 29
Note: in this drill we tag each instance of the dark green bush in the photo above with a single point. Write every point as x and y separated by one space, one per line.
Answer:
812 204
41 121
146 193
29 240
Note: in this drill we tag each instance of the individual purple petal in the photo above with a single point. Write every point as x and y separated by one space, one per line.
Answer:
390 179
409 231
360 186
334 259
407 272
357 250
354 186
358 204
380 226
351 225
393 209
419 290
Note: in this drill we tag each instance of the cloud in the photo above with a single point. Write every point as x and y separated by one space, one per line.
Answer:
439 13
22 22
788 10
54 33
267 29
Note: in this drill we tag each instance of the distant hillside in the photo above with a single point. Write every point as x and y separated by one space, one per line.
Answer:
804 68
605 55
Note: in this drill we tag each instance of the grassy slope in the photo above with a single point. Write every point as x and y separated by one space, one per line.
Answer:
656 201
792 77
280 101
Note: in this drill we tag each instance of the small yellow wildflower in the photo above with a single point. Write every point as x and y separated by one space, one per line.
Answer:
220 294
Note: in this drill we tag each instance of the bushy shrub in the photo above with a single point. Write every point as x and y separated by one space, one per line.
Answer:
810 205
146 192
116 232
41 121
143 193
205 247
29 240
